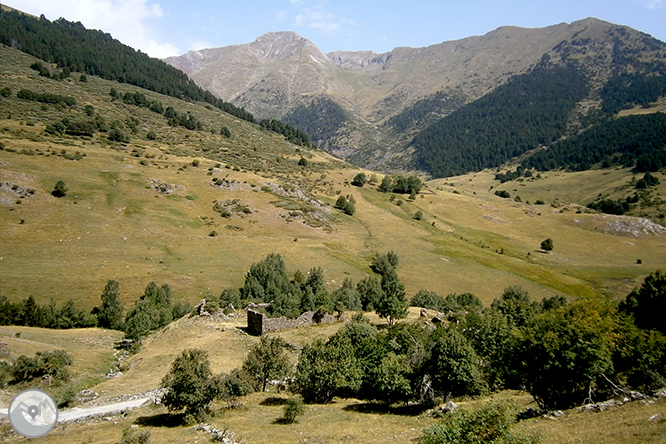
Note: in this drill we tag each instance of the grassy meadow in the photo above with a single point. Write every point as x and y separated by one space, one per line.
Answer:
117 223
255 417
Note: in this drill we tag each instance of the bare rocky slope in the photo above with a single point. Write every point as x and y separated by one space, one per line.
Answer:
362 96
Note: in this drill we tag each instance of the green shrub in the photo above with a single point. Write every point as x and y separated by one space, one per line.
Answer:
116 135
293 408
60 189
490 424
53 364
359 180
135 436
547 245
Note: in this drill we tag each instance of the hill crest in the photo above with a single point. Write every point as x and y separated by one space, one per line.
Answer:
282 71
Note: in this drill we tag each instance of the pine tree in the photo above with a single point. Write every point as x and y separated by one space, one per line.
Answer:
110 313
393 304
60 189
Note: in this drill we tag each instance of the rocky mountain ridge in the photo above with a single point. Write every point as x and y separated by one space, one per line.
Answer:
283 75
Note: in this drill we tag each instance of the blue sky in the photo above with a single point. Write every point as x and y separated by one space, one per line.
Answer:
170 27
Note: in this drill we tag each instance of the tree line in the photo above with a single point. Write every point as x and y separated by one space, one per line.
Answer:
267 281
562 352
530 110
633 141
152 311
73 47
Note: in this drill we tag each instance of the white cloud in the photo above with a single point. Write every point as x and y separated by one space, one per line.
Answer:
317 16
195 45
652 4
125 20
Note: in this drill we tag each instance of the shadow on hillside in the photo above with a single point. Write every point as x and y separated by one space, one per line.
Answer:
386 409
273 401
162 420
246 330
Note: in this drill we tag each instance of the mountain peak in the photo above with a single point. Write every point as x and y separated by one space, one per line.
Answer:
282 45
281 36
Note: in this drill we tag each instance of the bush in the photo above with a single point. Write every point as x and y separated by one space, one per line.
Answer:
189 384
53 364
428 299
359 180
180 309
60 189
503 194
293 408
647 181
116 135
135 436
491 423
547 245
346 204
610 206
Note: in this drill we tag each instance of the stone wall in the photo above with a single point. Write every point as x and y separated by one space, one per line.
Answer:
258 323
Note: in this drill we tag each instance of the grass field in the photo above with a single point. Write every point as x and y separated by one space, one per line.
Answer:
255 420
117 223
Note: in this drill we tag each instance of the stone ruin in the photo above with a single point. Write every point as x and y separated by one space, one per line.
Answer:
258 323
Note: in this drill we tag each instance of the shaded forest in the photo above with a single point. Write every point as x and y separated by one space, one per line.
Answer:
74 48
634 141
528 111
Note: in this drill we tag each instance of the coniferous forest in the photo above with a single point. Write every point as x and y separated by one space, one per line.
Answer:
530 110
74 48
633 141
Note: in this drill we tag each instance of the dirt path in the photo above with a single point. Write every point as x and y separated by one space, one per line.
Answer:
78 413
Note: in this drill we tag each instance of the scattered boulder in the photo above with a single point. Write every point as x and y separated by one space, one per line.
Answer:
631 226
223 436
449 407
162 188
4 349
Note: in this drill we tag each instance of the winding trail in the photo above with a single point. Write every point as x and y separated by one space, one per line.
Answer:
78 413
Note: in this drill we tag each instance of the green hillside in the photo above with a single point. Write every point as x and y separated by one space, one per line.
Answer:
179 200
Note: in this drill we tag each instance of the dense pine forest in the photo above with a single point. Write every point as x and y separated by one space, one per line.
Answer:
73 48
632 141
320 119
530 110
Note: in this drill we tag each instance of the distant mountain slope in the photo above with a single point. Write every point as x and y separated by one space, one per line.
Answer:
74 48
385 101
530 110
